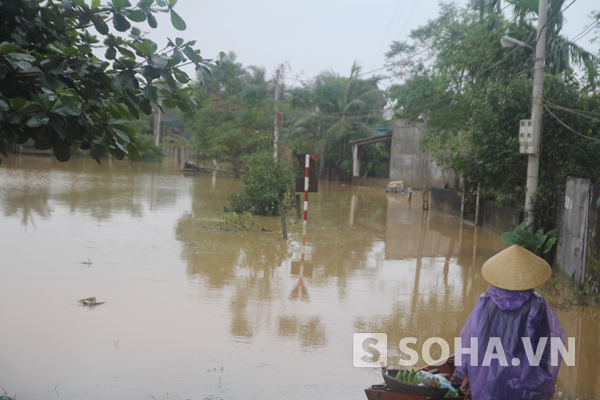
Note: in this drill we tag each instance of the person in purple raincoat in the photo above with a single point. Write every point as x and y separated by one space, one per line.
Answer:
505 318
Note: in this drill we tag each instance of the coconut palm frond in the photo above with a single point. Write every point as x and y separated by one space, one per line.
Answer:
357 104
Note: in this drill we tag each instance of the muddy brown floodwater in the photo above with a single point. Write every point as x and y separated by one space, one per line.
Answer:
193 313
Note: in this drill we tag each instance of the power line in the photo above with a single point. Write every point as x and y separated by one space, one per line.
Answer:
431 47
569 128
574 111
386 33
407 19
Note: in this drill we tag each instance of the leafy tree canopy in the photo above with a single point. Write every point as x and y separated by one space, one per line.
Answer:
473 92
57 92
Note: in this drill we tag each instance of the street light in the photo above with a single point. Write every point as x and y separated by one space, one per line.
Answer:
530 130
507 41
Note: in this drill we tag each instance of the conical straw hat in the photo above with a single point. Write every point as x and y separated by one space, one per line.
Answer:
516 269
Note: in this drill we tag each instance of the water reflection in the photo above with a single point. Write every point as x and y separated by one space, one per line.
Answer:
183 298
32 185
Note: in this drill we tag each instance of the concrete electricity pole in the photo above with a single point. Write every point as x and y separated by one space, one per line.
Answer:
536 118
157 117
276 121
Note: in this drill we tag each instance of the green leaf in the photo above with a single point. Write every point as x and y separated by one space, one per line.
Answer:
161 3
169 103
183 106
178 41
60 67
158 62
70 51
133 99
122 81
121 4
37 120
151 20
17 103
148 3
6 48
548 245
508 238
181 76
151 93
84 50
172 3
62 151
126 52
120 22
146 107
137 16
95 4
100 24
134 154
145 47
97 151
132 109
177 21
70 106
111 53
4 106
122 135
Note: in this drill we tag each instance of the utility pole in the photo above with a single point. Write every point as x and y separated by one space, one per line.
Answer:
276 120
533 164
157 115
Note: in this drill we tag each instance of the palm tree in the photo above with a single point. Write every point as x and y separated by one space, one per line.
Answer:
344 107
560 51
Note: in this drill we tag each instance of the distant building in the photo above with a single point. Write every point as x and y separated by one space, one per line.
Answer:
171 124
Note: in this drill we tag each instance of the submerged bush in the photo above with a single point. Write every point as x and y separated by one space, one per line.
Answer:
267 187
153 153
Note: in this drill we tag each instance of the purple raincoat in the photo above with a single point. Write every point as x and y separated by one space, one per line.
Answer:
510 316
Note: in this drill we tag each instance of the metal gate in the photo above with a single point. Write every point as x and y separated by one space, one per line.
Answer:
574 232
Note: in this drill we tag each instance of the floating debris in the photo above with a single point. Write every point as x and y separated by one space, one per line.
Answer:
88 262
90 301
397 187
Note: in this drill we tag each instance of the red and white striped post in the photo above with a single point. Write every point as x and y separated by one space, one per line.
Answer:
306 171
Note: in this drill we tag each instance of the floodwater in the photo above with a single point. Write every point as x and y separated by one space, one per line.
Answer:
196 313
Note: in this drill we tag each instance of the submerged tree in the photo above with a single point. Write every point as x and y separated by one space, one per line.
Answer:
58 93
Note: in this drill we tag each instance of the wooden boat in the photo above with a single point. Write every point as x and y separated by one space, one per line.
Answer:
382 391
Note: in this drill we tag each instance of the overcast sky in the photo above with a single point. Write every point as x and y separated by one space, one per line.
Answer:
311 36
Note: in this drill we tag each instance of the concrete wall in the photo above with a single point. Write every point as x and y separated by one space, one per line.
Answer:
500 219
445 200
406 163
179 152
497 218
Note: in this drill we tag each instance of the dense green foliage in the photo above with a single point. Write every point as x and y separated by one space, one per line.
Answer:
539 243
55 91
345 109
267 187
151 153
473 92
237 116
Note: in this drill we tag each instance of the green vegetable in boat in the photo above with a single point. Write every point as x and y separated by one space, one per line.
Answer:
399 375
